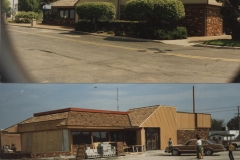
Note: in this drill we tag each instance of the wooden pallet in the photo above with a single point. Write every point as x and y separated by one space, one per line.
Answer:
81 152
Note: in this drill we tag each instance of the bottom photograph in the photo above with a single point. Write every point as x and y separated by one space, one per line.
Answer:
111 121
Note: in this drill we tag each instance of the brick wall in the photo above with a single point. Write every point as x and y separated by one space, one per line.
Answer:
203 20
214 22
194 20
184 135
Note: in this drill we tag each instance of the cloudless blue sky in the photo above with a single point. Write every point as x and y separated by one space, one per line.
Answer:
20 101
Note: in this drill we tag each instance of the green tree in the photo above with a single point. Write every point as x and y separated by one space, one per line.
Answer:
216 124
230 12
96 10
155 11
233 123
29 5
5 5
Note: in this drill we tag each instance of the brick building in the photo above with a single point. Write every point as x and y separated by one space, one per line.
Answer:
60 132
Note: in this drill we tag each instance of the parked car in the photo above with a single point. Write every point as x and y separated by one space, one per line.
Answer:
190 147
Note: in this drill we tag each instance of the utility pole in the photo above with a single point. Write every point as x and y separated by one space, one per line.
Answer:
117 101
193 101
238 121
195 117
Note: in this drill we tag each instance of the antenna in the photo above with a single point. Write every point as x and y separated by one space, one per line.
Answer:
117 101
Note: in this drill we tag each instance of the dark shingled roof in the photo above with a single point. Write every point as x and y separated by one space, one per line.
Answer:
92 118
64 3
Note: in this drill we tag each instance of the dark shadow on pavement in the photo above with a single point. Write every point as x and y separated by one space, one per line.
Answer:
193 155
123 39
74 33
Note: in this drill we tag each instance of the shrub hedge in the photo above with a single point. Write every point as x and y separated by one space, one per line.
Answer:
133 29
96 10
154 11
151 19
26 17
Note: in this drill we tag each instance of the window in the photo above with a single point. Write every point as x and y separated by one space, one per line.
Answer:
67 13
116 136
100 136
63 13
193 142
81 137
204 142
130 137
72 13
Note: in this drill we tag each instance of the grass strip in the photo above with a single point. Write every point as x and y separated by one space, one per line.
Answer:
223 42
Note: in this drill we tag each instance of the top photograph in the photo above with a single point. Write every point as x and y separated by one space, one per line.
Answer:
120 41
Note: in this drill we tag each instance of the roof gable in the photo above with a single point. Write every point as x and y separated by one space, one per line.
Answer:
139 115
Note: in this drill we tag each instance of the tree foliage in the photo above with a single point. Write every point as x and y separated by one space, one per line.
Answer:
28 5
96 10
217 124
154 11
233 123
230 12
5 5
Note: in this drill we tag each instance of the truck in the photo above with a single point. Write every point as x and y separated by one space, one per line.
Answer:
224 139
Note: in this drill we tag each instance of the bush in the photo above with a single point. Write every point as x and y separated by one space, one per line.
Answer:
155 11
96 10
26 17
84 25
166 34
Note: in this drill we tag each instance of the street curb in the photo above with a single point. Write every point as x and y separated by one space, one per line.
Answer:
213 46
95 34
42 27
130 38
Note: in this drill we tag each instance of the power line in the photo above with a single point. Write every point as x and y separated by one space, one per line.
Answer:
206 109
222 110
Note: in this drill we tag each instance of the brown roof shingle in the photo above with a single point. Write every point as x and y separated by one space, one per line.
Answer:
93 118
97 119
64 3
139 115
49 117
88 119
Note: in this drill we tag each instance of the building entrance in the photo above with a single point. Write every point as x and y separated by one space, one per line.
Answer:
152 138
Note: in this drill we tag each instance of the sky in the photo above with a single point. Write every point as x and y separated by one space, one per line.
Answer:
19 102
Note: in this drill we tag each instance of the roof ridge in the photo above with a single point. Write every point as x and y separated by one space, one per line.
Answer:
79 110
150 115
144 107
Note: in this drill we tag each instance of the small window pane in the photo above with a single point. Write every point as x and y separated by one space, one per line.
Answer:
81 137
96 136
66 14
104 136
71 13
61 14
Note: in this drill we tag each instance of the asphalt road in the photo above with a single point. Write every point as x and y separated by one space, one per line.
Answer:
52 56
156 155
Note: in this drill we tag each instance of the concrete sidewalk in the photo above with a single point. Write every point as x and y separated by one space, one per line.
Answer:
190 41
